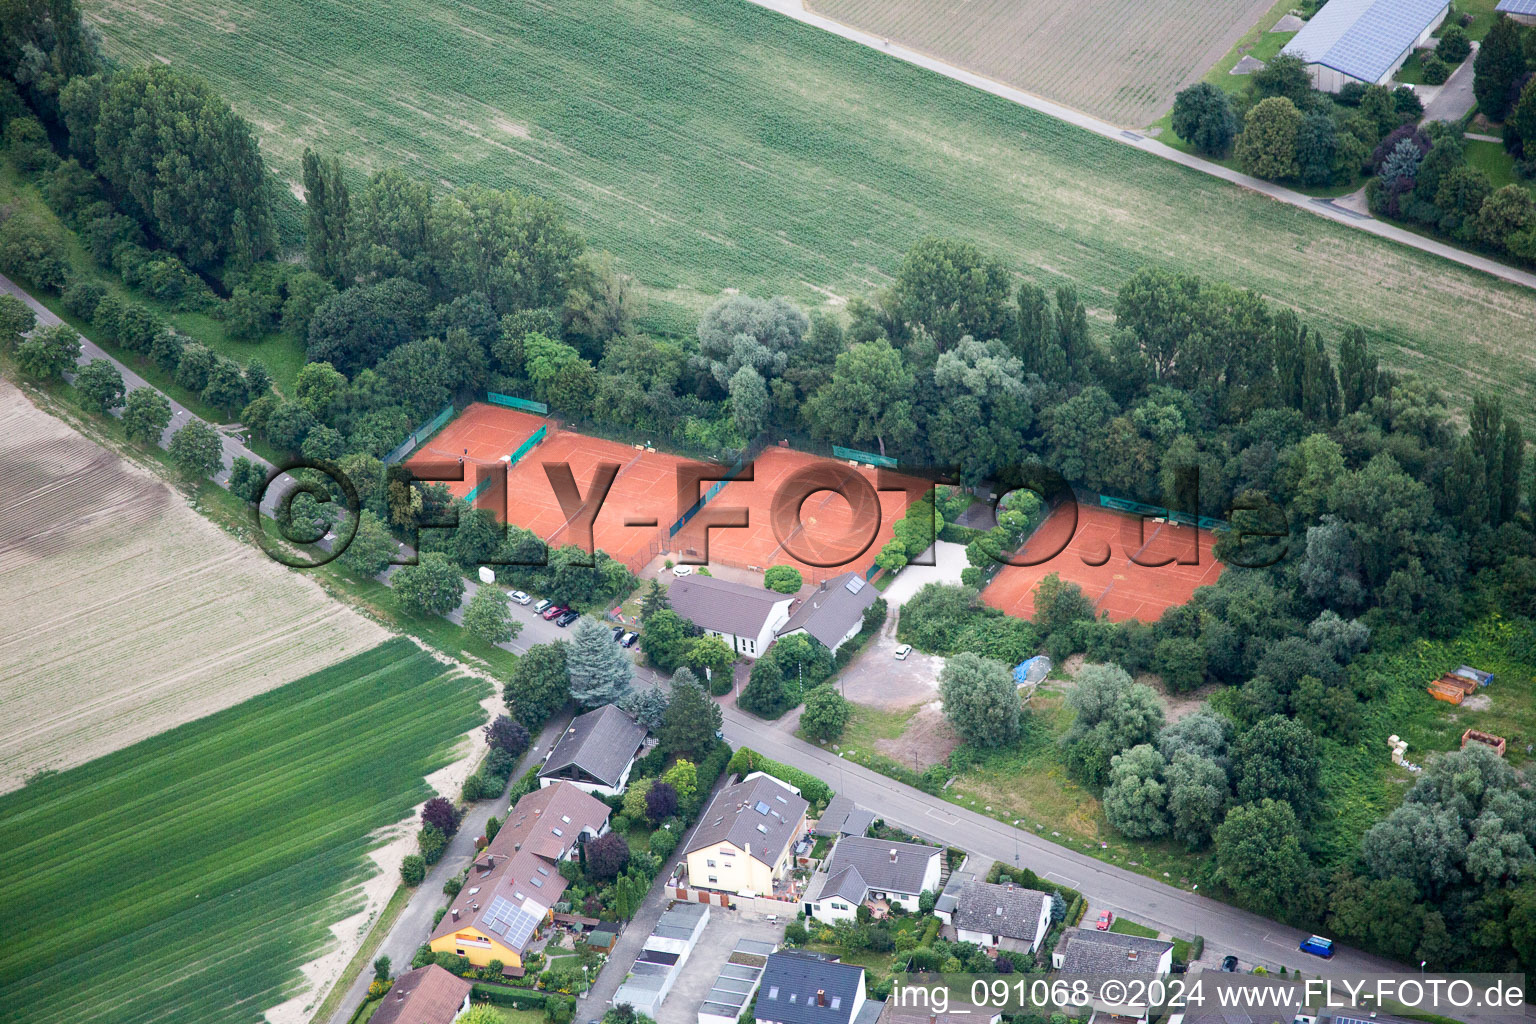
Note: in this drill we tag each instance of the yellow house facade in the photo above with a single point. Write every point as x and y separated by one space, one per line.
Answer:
746 839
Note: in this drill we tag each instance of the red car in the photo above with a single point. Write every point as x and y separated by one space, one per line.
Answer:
1105 920
554 610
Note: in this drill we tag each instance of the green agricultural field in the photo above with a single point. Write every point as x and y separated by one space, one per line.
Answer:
189 876
712 144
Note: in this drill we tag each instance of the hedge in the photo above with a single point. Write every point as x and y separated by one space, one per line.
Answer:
747 760
505 995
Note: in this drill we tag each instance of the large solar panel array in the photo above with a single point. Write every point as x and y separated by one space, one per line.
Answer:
511 923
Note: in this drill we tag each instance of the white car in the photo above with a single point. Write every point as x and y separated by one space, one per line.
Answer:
518 597
541 606
682 570
903 651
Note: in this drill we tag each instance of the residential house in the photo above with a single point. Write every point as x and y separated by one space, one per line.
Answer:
515 883
843 818
956 1011
662 957
596 752
427 995
834 611
1088 951
1364 41
806 988
1523 11
863 869
1000 916
745 841
744 617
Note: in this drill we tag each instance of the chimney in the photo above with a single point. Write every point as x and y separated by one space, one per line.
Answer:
821 997
893 855
1130 955
455 913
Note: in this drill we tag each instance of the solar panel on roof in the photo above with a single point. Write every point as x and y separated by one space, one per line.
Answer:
854 584
760 807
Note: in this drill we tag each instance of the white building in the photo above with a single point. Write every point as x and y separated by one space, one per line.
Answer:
862 869
999 916
744 617
834 611
666 950
1364 40
596 752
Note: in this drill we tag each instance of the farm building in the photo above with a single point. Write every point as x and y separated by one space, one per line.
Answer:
596 752
745 840
1523 11
997 916
1364 40
834 613
864 870
515 883
662 958
427 995
744 617
810 988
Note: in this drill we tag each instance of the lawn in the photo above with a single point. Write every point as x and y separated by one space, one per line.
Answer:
1497 163
1123 926
189 876
712 144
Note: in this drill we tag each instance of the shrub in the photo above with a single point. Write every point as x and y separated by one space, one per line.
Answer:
663 842
785 579
747 760
1454 46
27 141
1436 71
413 869
440 813
82 297
607 855
432 842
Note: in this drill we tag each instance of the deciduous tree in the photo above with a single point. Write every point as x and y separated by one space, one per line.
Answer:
980 700
433 586
197 450
101 384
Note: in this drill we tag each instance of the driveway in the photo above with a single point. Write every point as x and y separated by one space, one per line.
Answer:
1455 97
950 561
877 679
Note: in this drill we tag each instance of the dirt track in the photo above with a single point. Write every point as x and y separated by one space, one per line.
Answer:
126 613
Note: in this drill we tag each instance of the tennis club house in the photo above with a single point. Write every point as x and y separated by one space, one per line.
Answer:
745 841
746 618
515 883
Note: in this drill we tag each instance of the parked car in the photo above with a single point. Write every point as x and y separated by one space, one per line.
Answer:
1317 946
1229 964
628 639
618 631
903 651
518 597
682 570
567 617
1105 920
555 611
542 606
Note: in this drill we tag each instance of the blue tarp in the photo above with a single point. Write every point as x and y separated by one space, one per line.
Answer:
1028 673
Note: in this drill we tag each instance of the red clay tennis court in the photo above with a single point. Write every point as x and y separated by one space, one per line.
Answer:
646 488
831 531
1116 585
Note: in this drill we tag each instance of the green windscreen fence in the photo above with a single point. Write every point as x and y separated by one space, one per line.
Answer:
513 402
1142 509
868 458
419 435
528 445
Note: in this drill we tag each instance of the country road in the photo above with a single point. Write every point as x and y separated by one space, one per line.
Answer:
1321 207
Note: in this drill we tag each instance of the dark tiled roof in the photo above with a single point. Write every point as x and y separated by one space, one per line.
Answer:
1362 38
977 909
883 873
598 745
844 817
1086 951
833 608
790 984
427 995
761 811
847 883
722 606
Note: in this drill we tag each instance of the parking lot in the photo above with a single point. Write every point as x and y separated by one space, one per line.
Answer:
725 927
